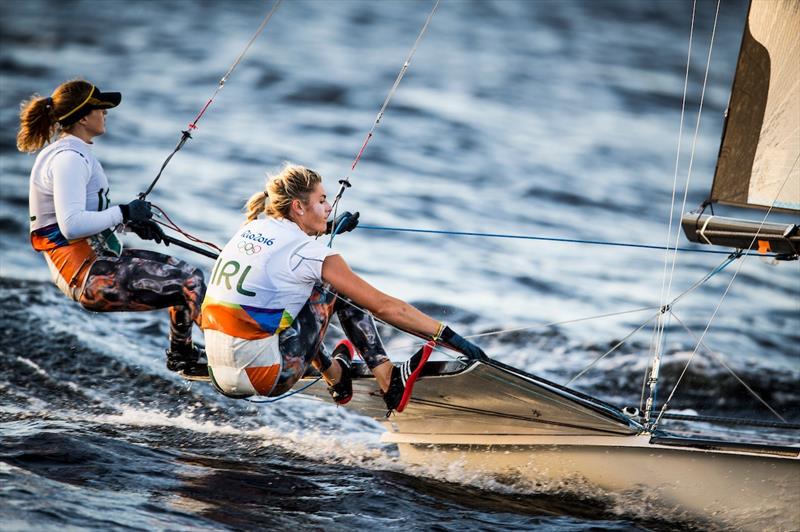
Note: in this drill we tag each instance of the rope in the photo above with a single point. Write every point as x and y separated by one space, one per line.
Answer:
175 227
550 239
345 183
284 396
186 135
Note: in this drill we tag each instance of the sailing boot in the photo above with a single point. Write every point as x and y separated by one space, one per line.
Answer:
342 391
403 378
189 362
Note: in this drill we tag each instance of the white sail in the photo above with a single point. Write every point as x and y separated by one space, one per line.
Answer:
758 164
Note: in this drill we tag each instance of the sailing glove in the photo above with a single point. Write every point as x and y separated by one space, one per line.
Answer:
136 210
147 230
450 337
343 223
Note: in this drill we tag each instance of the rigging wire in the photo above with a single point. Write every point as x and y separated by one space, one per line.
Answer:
616 346
724 294
691 289
727 367
564 322
657 330
660 340
499 332
345 182
661 310
694 141
186 135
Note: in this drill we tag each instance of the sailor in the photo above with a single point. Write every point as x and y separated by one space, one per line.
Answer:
72 222
274 288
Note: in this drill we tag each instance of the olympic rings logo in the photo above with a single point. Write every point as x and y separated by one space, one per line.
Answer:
248 248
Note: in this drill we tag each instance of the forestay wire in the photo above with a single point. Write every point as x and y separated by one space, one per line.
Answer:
666 293
186 135
658 329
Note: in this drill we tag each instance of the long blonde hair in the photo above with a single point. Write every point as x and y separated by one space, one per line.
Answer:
293 182
38 116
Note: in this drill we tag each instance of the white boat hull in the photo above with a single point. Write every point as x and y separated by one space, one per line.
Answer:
499 421
746 491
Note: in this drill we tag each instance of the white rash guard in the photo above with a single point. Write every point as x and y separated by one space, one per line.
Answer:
68 195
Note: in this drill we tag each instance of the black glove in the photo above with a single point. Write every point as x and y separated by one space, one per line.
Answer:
147 230
343 223
449 336
136 210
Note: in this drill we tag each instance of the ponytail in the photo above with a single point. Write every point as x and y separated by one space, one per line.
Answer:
255 205
37 124
294 182
38 116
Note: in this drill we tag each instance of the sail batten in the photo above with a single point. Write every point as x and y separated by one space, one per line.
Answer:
758 160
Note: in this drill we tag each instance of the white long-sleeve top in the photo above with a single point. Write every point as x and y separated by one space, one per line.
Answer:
69 195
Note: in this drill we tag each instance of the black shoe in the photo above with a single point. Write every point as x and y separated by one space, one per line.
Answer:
189 362
342 391
403 378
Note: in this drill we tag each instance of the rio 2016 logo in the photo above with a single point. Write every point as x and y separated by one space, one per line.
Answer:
248 248
257 237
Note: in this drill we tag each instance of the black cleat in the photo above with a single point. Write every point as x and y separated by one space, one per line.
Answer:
342 391
189 362
403 378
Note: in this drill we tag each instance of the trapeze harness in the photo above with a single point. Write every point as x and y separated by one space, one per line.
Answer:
261 281
74 234
72 225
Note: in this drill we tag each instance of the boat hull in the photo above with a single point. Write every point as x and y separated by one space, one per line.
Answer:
491 419
749 491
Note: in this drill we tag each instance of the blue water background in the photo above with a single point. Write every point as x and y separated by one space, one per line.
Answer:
546 118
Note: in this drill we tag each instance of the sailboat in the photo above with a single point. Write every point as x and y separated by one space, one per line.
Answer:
490 417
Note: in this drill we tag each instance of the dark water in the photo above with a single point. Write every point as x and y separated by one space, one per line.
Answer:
531 117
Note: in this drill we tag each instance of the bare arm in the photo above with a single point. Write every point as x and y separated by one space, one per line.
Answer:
390 309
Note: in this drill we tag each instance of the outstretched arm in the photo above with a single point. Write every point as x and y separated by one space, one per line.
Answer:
390 309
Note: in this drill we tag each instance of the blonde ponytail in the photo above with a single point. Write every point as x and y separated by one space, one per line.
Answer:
255 205
293 182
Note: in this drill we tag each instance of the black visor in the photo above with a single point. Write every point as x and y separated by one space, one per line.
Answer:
95 100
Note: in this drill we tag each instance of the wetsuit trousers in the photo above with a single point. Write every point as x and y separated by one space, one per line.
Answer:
301 343
146 280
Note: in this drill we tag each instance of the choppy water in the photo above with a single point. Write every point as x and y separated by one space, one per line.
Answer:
556 118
